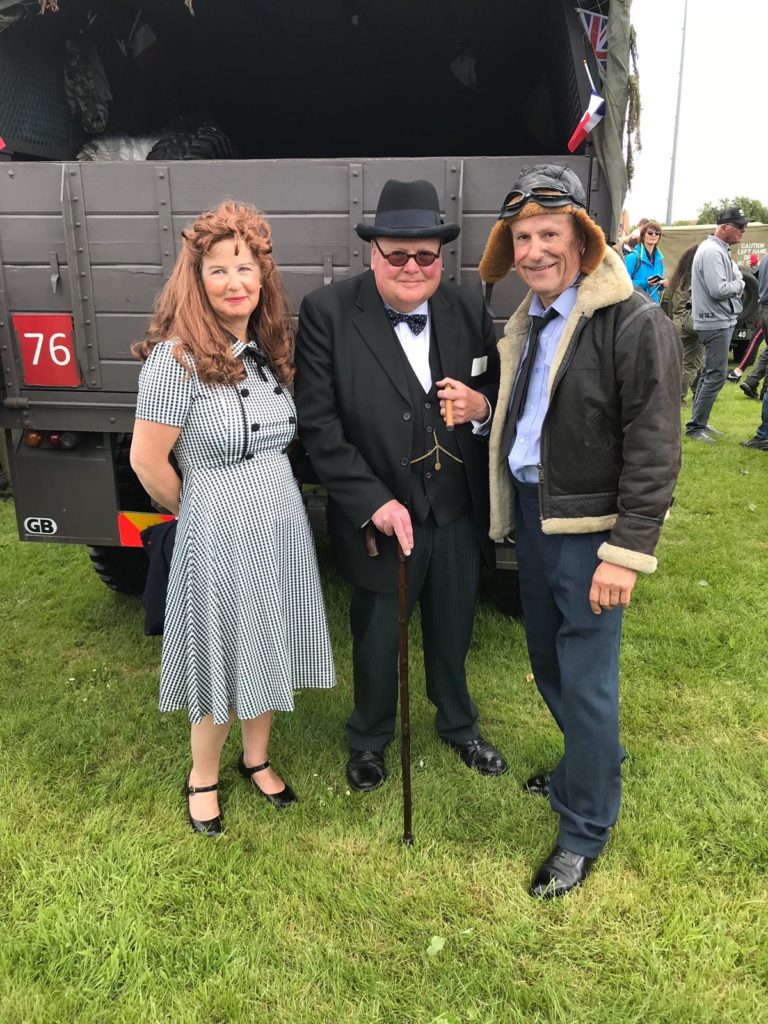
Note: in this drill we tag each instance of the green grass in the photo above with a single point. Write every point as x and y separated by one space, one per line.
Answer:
112 912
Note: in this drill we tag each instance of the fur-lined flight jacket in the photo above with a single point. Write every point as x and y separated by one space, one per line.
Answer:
610 443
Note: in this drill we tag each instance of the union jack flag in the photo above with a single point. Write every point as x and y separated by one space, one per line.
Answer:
596 30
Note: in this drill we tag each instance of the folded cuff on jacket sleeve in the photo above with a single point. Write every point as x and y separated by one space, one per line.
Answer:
627 558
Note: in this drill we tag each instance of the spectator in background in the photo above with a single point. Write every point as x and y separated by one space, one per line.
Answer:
750 383
633 239
682 318
716 289
760 440
751 351
645 264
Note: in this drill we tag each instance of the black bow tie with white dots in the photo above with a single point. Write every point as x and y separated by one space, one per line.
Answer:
416 321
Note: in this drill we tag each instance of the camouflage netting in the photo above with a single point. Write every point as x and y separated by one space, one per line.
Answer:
609 136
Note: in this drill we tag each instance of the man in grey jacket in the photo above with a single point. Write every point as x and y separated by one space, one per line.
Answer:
716 288
583 457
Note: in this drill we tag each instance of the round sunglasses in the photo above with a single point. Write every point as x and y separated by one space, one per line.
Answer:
399 258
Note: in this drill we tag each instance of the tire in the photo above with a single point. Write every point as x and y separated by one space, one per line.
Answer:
191 140
739 348
750 303
122 569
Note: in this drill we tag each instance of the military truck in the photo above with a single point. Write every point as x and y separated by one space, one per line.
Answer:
306 109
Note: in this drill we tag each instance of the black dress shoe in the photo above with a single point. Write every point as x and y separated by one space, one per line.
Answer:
366 770
538 784
756 442
560 872
280 800
215 826
479 754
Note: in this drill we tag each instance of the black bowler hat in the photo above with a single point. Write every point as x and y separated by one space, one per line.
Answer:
408 209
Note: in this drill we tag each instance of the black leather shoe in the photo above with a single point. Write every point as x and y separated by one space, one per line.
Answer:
748 390
280 800
756 442
538 784
560 872
366 770
215 826
479 754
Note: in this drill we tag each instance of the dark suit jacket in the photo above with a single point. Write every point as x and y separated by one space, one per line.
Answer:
158 541
355 413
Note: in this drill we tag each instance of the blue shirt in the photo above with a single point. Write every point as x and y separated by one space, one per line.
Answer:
525 456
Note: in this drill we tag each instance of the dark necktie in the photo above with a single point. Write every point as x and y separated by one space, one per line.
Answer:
416 321
258 357
520 392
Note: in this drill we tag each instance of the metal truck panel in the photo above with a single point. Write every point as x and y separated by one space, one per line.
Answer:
65 496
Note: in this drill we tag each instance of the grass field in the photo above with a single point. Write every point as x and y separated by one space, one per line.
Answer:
112 911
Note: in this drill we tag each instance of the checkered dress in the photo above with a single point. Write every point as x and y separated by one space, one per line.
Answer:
245 622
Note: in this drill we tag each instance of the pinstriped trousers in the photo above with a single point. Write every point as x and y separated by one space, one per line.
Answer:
443 573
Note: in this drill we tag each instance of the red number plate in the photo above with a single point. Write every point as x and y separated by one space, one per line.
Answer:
47 347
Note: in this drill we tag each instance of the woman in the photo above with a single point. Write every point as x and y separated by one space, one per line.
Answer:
245 623
680 305
645 264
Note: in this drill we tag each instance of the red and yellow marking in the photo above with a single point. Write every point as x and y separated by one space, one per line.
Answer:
130 525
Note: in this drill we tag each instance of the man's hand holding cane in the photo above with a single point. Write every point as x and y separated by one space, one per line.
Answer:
394 518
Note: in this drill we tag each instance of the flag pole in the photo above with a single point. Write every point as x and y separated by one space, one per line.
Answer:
671 191
591 83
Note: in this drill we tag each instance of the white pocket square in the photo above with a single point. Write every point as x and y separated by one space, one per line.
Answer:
479 365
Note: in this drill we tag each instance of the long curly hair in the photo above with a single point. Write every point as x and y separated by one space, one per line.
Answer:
681 279
182 310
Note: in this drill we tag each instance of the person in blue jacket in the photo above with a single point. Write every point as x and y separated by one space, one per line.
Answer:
645 264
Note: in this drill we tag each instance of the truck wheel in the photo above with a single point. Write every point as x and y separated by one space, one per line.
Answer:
122 569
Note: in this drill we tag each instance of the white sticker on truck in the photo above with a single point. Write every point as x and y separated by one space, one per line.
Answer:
40 525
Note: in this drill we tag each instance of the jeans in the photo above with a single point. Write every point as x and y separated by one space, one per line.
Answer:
716 345
762 430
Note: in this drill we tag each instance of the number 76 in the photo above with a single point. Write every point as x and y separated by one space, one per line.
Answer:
60 354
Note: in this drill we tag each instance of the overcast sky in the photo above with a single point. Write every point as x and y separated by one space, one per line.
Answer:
722 146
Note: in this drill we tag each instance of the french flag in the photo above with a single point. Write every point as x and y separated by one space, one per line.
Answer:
592 117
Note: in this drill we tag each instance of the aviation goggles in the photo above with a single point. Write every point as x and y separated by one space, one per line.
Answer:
548 196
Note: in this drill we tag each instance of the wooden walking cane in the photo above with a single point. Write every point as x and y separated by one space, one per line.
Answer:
405 700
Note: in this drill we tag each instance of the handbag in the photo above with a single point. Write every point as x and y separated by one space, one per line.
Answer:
158 541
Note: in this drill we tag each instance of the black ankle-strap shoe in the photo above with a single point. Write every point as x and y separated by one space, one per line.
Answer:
215 826
280 800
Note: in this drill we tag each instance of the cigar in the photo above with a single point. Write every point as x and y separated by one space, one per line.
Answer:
448 410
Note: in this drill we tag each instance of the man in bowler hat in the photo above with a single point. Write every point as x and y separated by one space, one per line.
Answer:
377 356
584 454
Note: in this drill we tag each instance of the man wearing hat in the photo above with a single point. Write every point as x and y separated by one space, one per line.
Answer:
717 285
584 454
377 356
